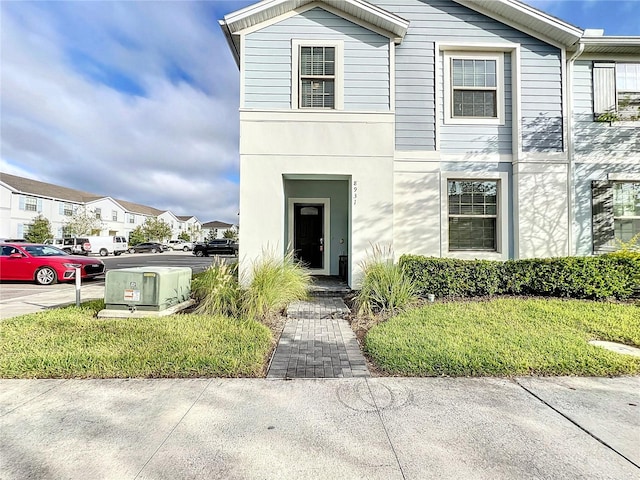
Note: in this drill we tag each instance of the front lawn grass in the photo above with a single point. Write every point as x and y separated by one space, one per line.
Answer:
71 343
506 337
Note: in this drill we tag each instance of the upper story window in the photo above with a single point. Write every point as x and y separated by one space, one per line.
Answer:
65 209
317 77
30 204
114 215
317 73
473 215
628 77
98 213
616 91
131 218
474 88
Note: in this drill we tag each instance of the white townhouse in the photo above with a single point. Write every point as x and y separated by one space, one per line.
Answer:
217 229
23 199
451 128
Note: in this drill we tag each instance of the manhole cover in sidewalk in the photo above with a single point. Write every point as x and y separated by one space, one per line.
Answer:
617 347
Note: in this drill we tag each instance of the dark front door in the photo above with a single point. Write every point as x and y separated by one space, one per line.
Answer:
308 237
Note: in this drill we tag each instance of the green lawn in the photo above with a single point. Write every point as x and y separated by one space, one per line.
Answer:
505 337
72 343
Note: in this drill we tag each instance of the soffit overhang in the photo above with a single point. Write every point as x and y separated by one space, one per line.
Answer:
386 23
611 45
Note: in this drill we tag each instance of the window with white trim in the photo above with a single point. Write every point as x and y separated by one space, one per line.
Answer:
473 215
98 213
317 77
31 204
317 67
131 218
474 87
114 215
626 210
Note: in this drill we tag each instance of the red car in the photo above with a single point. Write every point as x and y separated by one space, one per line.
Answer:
44 264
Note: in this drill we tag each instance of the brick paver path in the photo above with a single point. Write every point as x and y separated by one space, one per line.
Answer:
317 342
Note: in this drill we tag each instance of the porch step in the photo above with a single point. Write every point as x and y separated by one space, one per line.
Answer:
327 286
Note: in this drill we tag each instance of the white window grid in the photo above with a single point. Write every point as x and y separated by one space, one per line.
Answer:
480 85
628 77
626 210
317 76
470 200
31 204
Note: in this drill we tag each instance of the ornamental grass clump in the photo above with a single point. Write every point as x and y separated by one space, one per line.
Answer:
385 287
275 282
217 290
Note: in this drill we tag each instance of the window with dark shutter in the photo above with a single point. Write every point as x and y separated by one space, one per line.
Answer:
602 216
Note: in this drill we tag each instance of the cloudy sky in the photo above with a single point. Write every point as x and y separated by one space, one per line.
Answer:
138 100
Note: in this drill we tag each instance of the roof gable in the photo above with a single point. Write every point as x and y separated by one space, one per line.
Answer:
511 12
358 11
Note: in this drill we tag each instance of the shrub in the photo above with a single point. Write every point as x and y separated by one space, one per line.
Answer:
450 277
385 287
217 290
613 275
275 282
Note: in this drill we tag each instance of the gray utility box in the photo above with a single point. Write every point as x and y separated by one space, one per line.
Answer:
147 288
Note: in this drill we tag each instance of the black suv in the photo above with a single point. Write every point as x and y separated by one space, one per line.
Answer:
224 246
71 245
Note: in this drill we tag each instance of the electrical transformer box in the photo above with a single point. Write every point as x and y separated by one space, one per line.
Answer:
147 288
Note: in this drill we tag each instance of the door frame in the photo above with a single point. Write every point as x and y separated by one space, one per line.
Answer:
326 202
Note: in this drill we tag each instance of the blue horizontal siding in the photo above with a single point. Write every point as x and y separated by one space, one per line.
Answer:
366 61
447 21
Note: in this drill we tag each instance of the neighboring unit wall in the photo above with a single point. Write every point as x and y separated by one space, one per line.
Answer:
533 215
603 151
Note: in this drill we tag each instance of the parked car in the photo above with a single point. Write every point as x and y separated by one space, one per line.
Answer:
71 245
180 245
105 245
44 264
223 246
151 247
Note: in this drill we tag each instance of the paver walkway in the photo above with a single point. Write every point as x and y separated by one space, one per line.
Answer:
317 342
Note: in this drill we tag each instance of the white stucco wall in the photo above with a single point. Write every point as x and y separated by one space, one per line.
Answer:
540 210
278 145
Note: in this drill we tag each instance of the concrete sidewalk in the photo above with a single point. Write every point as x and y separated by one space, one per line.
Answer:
378 428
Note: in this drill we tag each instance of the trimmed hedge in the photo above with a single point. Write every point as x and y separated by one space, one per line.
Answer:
612 275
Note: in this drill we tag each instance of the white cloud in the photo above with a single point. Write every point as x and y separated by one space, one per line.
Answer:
175 148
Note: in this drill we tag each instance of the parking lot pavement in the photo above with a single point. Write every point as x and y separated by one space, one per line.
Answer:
17 298
378 428
48 297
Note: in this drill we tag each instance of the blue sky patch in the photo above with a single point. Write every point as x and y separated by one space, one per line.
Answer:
104 74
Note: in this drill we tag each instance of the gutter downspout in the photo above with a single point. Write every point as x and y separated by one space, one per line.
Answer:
570 150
